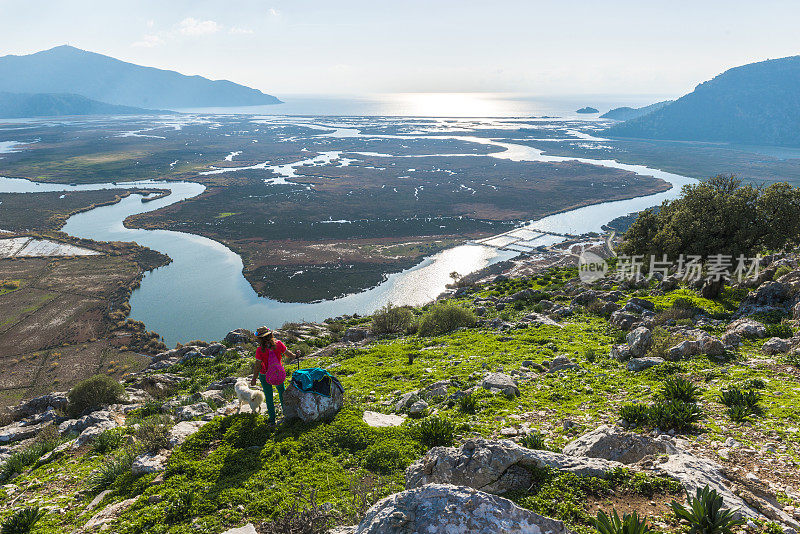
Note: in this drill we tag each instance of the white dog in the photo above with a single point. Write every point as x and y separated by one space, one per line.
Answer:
253 397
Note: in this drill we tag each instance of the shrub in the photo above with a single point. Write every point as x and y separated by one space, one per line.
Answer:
533 440
468 403
755 383
669 414
152 433
93 392
387 456
392 320
780 271
783 331
114 466
304 516
674 414
178 507
747 399
22 520
738 413
629 524
634 414
706 514
683 303
108 440
21 459
680 389
445 317
436 431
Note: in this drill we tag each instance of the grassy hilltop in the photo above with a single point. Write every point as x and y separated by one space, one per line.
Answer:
235 468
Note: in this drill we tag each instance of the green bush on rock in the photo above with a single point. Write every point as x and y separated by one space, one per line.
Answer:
93 392
444 317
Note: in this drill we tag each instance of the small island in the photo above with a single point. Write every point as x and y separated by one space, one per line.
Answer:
588 109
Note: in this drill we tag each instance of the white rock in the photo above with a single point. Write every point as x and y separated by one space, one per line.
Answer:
380 420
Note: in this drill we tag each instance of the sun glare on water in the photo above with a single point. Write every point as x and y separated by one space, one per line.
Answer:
452 104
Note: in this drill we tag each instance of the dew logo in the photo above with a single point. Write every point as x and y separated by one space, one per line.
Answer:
591 266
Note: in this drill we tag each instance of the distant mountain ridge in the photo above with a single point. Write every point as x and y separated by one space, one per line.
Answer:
757 104
628 113
69 70
21 105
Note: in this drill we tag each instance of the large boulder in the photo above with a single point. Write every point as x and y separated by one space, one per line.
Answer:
776 345
309 406
495 466
614 443
445 509
711 345
684 349
639 340
621 353
150 462
180 432
747 328
623 320
39 405
562 363
640 364
500 382
355 334
240 335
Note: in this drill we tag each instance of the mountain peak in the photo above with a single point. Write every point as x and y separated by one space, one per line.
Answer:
67 69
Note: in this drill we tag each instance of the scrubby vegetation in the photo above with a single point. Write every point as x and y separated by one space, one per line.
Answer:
94 392
304 476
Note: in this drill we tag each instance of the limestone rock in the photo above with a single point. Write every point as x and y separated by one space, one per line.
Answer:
562 363
355 334
712 346
501 382
639 339
406 400
380 420
444 509
747 328
90 433
149 462
240 335
178 433
623 320
640 364
106 515
249 528
614 443
308 406
776 345
495 466
198 409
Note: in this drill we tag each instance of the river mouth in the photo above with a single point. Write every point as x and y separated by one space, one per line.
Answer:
202 294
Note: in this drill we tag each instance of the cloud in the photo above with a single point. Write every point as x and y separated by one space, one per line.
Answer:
236 30
274 12
194 27
149 41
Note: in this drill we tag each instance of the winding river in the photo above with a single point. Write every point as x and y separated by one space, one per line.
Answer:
202 294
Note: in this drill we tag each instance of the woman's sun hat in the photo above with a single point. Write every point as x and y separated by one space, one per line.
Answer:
263 331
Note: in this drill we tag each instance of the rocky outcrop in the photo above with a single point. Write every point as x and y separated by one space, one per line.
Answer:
444 508
614 443
308 406
39 405
180 432
355 334
380 420
639 340
240 335
500 382
495 466
147 463
747 328
640 364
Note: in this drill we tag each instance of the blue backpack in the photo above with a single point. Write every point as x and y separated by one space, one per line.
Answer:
315 380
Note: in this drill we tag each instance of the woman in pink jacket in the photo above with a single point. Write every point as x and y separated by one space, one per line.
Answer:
270 371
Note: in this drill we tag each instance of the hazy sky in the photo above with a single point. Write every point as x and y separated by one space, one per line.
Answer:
351 46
